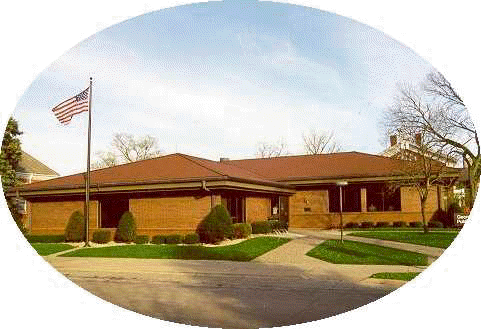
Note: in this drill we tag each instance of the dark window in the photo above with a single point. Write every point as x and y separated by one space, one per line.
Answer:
236 207
381 197
111 211
351 198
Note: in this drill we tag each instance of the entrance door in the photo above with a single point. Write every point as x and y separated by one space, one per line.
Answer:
111 210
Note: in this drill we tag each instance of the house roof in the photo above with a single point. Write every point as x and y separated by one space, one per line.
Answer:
322 166
280 172
28 164
172 168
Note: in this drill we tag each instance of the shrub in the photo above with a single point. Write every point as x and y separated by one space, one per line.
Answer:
367 224
442 217
126 231
453 209
158 239
173 239
191 238
242 230
382 224
352 225
415 224
399 224
275 224
141 239
261 227
102 236
45 238
216 226
75 230
435 223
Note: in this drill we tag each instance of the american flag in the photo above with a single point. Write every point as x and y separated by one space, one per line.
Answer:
72 106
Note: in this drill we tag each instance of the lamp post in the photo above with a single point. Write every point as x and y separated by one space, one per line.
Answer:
341 184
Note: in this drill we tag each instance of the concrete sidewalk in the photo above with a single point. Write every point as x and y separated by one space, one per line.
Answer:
294 252
335 234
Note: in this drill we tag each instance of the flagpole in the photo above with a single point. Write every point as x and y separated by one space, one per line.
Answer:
87 181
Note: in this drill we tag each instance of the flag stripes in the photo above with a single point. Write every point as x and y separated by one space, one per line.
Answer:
72 106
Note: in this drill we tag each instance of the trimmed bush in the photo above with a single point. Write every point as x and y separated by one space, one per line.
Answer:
75 230
435 224
45 238
173 239
141 239
261 227
399 224
158 239
216 226
382 224
415 224
367 224
242 230
191 238
126 231
102 236
352 225
442 217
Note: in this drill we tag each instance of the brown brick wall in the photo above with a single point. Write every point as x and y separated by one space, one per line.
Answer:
257 209
317 201
169 215
410 200
52 217
320 218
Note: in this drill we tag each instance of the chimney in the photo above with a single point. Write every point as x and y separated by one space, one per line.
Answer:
224 159
418 138
393 140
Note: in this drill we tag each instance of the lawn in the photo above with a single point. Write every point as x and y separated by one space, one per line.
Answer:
352 252
432 239
44 249
404 276
244 251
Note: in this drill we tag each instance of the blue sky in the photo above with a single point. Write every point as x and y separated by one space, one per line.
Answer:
214 79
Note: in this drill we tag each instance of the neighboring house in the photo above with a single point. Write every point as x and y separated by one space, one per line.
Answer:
407 149
173 193
30 171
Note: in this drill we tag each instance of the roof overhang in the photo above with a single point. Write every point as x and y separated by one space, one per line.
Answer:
166 186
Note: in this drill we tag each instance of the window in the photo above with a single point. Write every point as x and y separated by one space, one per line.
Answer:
235 205
380 197
351 198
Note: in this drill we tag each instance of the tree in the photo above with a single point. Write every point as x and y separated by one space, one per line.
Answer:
10 155
318 142
126 148
422 169
437 111
271 150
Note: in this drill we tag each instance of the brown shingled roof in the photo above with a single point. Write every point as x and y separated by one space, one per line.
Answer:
322 166
169 168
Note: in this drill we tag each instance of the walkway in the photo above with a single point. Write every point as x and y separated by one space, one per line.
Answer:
294 252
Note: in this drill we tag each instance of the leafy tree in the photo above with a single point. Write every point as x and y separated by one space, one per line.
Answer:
10 155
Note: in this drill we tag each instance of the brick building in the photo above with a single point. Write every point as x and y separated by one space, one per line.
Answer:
173 193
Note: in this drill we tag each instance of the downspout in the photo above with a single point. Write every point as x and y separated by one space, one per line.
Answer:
205 188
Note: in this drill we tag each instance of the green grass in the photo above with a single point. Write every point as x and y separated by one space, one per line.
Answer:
404 276
44 249
244 251
352 252
432 239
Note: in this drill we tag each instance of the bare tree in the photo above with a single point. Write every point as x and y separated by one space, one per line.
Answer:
126 148
422 170
316 142
437 111
271 150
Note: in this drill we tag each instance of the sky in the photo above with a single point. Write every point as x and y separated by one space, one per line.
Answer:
215 79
